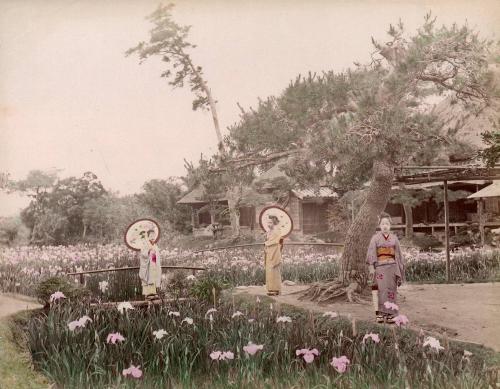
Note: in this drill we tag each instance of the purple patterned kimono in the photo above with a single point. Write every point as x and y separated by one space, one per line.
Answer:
384 253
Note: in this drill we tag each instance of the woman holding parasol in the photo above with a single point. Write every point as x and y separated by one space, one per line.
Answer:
277 224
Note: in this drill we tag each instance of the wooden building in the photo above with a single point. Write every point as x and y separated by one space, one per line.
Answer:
307 207
467 211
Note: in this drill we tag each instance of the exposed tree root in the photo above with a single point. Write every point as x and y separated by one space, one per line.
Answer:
332 291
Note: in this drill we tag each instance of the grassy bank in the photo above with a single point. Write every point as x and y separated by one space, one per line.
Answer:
16 371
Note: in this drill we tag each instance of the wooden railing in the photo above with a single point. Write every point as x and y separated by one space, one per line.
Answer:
285 245
262 244
81 274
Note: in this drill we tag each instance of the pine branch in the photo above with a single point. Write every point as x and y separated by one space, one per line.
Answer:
254 161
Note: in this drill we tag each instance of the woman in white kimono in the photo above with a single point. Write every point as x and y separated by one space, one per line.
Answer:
150 267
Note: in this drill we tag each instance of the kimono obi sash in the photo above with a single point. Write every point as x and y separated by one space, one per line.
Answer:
386 254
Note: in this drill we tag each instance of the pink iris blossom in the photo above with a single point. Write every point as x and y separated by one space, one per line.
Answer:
172 313
187 320
330 314
371 336
215 355
134 371
221 355
340 364
115 337
236 314
227 355
390 305
307 354
251 348
56 296
79 323
400 320
433 343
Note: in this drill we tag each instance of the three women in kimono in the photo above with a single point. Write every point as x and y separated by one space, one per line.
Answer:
272 256
150 267
386 266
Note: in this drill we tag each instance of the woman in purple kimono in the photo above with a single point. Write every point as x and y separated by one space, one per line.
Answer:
386 266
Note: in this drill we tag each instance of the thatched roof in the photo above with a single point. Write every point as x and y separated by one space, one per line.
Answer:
439 183
322 192
492 190
196 197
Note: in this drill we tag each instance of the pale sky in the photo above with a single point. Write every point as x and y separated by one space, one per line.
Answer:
70 99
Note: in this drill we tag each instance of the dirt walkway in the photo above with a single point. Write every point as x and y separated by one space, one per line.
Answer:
11 303
468 312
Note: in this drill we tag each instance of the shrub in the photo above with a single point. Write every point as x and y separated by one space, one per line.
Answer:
426 242
177 283
205 287
53 284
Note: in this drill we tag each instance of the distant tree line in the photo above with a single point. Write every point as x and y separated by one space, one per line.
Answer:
74 210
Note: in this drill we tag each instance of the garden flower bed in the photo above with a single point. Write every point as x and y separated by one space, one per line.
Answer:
243 344
22 268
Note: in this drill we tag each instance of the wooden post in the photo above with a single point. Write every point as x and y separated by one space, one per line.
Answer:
82 281
447 230
194 218
480 215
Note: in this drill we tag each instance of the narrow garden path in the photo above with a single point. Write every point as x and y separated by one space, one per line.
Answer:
16 371
466 312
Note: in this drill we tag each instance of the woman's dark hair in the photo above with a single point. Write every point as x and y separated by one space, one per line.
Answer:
274 219
384 216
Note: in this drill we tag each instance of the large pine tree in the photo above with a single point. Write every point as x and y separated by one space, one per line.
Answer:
361 125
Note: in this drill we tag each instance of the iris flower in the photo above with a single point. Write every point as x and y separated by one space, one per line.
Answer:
251 348
307 354
79 323
330 314
371 336
124 306
115 337
340 364
390 305
103 286
400 320
160 333
433 343
56 296
221 355
134 371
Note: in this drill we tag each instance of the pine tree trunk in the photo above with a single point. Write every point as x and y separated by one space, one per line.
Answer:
364 225
408 221
353 276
